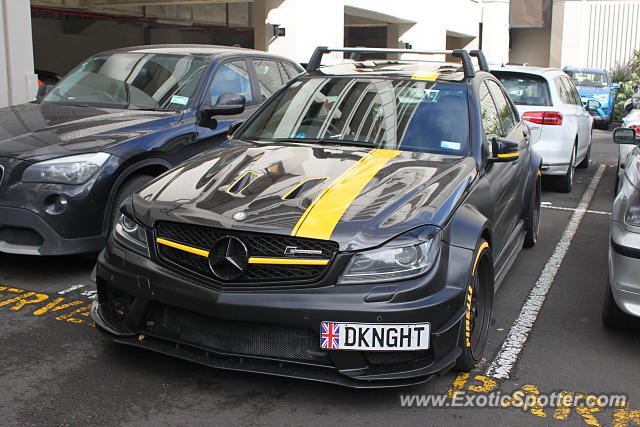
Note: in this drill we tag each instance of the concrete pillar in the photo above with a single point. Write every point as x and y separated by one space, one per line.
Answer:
495 31
18 83
557 25
307 24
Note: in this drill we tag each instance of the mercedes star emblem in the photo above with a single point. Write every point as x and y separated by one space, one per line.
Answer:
239 216
228 258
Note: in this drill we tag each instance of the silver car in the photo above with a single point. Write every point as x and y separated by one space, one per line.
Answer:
622 300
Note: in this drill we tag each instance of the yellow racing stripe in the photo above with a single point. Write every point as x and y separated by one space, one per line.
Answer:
288 261
425 76
324 213
182 247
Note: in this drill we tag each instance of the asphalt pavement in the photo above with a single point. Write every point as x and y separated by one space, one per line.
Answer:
547 340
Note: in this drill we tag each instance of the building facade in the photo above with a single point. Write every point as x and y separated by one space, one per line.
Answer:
55 35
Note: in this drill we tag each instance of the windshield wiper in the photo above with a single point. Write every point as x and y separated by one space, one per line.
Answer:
319 141
133 107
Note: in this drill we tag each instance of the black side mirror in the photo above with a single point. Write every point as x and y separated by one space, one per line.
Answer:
593 105
625 136
233 128
43 91
504 151
228 104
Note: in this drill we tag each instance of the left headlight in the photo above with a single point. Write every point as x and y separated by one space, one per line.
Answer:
392 262
131 235
72 170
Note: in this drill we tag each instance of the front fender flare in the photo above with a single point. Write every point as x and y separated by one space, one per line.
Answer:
466 227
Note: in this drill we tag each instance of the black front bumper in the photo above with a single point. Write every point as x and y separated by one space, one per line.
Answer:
144 304
27 233
53 219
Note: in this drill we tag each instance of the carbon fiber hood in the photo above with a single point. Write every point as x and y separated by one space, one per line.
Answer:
355 196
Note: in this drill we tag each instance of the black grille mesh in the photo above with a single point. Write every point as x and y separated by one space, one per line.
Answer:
20 236
235 337
260 245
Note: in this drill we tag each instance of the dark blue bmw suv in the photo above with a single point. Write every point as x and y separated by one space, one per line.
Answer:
112 124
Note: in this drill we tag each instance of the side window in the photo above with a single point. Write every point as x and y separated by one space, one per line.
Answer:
562 90
575 97
231 77
489 114
269 78
506 115
291 70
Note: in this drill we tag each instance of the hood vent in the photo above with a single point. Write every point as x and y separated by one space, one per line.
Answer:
242 182
303 187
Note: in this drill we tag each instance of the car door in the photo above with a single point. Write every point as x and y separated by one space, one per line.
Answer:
231 76
584 119
571 115
513 130
501 176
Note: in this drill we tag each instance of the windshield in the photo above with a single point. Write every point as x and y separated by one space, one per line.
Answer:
584 78
410 115
131 80
525 89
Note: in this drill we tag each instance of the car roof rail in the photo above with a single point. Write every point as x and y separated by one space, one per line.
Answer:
465 57
482 60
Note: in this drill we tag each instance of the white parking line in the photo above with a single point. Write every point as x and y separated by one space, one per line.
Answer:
70 289
562 208
513 345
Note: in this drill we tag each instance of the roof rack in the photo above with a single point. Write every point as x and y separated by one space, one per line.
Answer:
482 60
465 57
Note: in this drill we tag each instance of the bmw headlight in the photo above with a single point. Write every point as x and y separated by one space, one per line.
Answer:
131 235
73 170
394 261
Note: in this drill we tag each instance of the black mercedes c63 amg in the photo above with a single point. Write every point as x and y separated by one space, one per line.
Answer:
353 231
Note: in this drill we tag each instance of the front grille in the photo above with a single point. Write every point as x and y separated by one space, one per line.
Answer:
20 236
259 245
235 337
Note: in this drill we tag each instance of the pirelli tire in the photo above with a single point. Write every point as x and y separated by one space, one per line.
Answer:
532 218
478 300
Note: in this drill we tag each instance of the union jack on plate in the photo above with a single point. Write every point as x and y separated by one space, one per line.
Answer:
330 336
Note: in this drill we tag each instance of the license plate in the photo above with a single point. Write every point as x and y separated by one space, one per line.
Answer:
374 336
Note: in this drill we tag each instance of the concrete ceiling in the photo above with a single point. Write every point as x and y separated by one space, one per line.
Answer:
180 12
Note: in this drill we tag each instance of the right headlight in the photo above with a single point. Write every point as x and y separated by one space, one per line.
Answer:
131 235
73 170
394 261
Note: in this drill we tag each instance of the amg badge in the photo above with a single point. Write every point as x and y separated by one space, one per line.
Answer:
292 250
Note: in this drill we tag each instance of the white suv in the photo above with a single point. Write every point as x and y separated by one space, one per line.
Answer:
560 126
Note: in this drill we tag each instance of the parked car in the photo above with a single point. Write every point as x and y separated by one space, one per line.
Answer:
353 231
622 297
560 126
47 78
594 84
111 125
630 120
